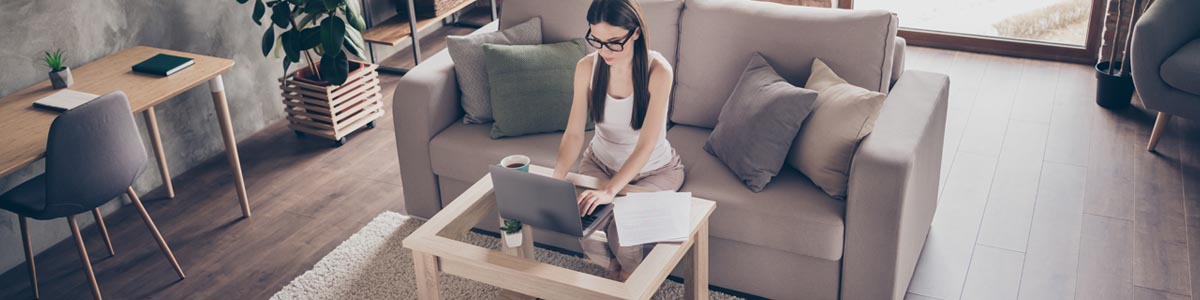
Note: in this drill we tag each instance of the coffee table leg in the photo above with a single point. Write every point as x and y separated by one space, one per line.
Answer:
696 277
426 268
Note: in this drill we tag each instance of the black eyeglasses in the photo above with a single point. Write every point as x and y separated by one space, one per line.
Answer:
614 46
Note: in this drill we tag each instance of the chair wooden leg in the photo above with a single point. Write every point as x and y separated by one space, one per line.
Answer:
1160 125
87 263
103 230
154 230
29 257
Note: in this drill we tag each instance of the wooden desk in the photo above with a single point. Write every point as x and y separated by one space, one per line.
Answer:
26 128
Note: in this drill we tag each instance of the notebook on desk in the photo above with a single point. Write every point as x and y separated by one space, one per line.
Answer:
64 100
163 64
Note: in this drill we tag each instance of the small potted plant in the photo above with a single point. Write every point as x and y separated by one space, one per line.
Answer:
60 74
512 233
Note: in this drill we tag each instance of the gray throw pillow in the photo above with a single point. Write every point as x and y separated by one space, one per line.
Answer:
758 123
531 86
471 68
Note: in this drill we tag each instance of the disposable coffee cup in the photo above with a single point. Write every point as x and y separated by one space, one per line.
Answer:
516 162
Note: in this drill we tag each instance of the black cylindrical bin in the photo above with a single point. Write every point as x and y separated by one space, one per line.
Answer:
1113 92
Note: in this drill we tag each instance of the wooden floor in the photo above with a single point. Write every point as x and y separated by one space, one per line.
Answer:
1047 196
1044 196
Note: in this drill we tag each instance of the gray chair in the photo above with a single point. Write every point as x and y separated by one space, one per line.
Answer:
1166 61
93 155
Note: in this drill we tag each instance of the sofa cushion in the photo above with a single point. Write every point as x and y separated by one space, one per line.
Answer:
564 20
791 214
464 151
758 124
531 86
843 116
471 68
857 43
1182 69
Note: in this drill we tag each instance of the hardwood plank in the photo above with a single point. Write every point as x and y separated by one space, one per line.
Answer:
1053 252
1035 93
1105 258
1110 166
929 59
911 296
947 254
1014 190
1190 158
1070 125
956 121
995 274
992 106
1152 294
1160 239
967 73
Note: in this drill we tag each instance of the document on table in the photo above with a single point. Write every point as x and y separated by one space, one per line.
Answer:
64 100
652 217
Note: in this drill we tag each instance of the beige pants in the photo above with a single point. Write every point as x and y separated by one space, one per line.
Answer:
601 246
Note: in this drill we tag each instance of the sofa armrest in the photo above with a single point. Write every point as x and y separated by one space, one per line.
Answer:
425 103
893 188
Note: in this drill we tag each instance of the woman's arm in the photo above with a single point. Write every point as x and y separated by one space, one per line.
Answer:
661 77
572 140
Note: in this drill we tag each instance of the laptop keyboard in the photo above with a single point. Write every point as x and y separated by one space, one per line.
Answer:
588 220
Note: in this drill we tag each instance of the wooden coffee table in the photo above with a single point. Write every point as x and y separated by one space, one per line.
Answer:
436 248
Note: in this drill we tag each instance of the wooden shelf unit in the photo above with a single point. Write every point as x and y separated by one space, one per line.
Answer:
397 29
394 30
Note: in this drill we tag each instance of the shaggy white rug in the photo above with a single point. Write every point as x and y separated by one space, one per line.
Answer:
373 264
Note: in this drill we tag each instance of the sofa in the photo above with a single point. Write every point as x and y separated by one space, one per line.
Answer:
1166 62
789 241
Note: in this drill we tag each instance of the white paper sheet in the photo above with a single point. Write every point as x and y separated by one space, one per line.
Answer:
652 217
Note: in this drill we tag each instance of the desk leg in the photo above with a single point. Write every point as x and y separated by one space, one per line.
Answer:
426 267
156 141
218 95
696 277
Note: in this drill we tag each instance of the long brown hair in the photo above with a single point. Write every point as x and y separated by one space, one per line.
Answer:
625 14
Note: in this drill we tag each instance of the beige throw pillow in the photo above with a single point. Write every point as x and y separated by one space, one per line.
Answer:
843 115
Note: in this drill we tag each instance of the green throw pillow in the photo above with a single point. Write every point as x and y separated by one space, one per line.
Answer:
531 86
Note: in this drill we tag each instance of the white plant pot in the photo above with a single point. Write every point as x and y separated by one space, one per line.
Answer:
512 240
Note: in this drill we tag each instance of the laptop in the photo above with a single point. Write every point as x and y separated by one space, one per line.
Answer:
543 202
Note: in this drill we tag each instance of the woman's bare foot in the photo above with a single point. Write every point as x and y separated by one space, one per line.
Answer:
614 271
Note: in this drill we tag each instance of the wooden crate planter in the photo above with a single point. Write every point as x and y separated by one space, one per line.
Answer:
333 112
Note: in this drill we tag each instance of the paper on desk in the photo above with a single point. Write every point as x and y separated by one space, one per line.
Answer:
652 217
64 100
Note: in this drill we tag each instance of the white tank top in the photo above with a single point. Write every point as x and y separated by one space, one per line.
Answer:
615 139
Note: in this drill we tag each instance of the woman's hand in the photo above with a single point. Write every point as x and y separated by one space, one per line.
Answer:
590 199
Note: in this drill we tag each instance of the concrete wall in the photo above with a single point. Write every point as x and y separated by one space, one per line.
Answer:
91 29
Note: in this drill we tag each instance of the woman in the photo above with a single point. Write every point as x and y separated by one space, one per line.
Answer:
625 89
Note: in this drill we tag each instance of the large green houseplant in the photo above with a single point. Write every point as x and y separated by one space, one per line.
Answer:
325 28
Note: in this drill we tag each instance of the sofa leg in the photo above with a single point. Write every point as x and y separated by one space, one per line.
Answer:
1160 125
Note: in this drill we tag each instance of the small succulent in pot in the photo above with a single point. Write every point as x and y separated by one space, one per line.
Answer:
60 74
512 233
